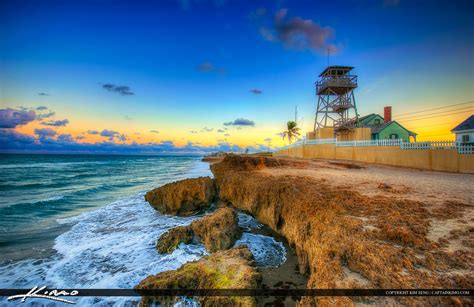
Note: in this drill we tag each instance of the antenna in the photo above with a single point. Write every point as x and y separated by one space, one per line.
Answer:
328 54
296 114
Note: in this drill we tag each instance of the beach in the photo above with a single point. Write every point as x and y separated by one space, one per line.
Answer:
77 221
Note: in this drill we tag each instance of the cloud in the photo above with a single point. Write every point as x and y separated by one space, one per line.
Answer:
48 142
205 129
154 131
256 91
41 108
240 122
226 134
43 94
80 137
127 117
208 67
11 118
56 123
123 90
268 140
44 116
45 133
92 132
65 138
110 134
298 33
220 130
193 131
13 138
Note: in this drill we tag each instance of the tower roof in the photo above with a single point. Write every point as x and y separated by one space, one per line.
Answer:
336 70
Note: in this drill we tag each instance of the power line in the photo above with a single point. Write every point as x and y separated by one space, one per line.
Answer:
448 106
438 125
407 120
423 136
458 109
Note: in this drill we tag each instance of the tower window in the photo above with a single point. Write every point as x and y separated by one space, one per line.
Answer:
377 121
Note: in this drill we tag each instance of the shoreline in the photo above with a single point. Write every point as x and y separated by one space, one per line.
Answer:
385 229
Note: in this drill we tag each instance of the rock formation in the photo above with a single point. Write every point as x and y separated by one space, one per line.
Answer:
170 240
183 197
230 269
217 231
324 226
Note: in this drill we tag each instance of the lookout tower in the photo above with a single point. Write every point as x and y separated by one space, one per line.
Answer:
336 102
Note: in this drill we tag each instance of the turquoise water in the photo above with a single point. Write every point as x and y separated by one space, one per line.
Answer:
37 190
82 222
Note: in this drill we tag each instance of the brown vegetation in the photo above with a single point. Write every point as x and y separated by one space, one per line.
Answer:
344 239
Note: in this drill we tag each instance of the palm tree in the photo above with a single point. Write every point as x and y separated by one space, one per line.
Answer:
291 132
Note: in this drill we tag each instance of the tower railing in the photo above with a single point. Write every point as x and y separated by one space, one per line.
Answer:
336 81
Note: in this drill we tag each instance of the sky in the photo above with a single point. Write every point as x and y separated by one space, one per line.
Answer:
196 76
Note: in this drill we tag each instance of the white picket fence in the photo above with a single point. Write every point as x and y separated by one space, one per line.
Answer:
462 148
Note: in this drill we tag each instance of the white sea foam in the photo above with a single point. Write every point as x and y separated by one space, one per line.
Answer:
114 247
247 222
266 250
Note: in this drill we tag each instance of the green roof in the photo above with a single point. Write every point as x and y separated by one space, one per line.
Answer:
381 127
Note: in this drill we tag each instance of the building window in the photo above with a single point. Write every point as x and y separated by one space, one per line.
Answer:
394 136
465 138
377 121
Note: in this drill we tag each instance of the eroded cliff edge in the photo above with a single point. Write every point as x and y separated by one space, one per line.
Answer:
344 239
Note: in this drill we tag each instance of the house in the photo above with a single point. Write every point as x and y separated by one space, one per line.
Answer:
465 131
385 127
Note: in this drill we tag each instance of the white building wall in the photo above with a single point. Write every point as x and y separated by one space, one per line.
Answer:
459 135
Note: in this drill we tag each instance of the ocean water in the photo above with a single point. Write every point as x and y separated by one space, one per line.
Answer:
82 222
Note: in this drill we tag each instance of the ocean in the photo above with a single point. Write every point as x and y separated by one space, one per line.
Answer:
81 221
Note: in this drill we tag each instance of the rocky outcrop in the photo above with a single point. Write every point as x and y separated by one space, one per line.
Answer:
324 225
217 231
183 197
230 269
170 240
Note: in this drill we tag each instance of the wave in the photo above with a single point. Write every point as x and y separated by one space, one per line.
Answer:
114 247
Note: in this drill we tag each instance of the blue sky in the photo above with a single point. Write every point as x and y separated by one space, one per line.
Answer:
191 66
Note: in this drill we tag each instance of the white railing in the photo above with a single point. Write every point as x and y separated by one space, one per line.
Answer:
466 149
366 143
462 148
321 141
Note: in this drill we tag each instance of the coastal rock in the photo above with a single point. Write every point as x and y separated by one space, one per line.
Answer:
170 240
325 226
219 230
230 269
183 197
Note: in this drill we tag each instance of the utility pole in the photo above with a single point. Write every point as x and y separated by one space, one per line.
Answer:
296 114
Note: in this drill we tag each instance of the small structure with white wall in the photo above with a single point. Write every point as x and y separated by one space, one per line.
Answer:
465 131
